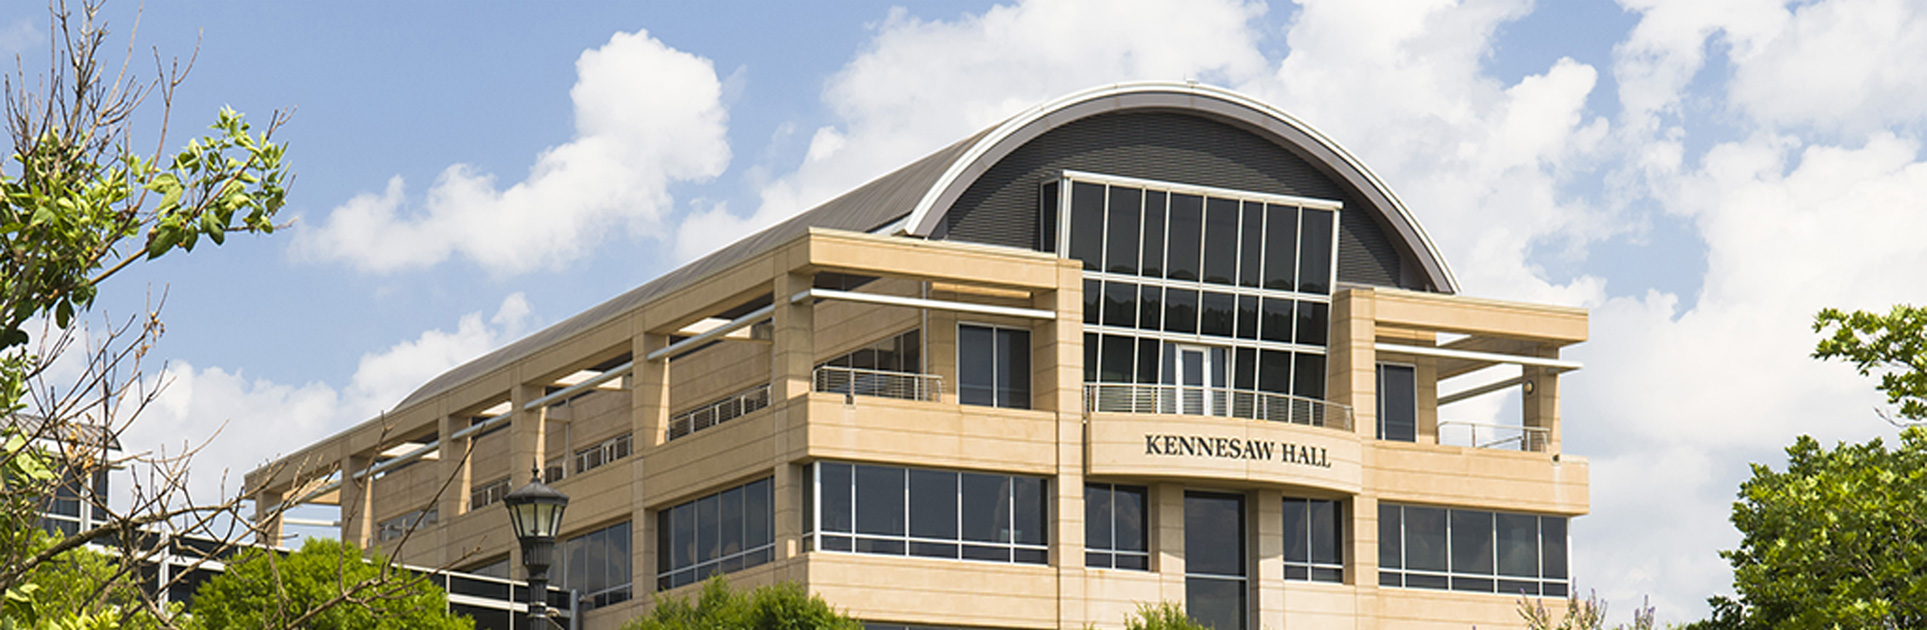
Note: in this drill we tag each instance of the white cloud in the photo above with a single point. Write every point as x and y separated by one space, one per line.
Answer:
922 84
647 116
1849 65
250 421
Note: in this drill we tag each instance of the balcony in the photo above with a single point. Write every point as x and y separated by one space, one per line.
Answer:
1507 437
853 382
718 412
1146 398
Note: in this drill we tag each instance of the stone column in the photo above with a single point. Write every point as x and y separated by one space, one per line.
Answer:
1542 403
1352 375
357 501
267 528
528 435
454 467
1265 562
1057 357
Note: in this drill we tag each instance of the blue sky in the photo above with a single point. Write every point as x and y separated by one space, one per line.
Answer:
1703 175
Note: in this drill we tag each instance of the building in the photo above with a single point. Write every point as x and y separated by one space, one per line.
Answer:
1148 342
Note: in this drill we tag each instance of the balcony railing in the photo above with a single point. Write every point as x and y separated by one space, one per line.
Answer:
720 411
882 384
1144 398
1510 437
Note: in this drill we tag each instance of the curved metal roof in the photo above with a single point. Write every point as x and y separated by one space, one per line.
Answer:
925 189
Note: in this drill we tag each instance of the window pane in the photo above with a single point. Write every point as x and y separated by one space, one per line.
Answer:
1397 403
732 521
1186 232
1251 235
976 366
1120 304
1308 377
1244 371
1121 236
683 518
1281 247
1518 545
708 528
1247 317
1013 369
1552 540
665 543
1472 542
1214 534
1274 371
910 348
1220 240
1152 262
1090 357
1047 217
1218 309
1093 301
1147 360
1277 320
1425 538
1098 517
1150 309
985 506
1313 322
879 500
1129 503
836 497
1326 523
1180 311
1315 252
758 514
1215 603
1087 224
1389 537
1297 531
933 504
1031 510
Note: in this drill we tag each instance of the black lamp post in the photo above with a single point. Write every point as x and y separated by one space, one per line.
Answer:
535 511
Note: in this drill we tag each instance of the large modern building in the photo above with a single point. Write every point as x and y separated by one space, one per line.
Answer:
1148 342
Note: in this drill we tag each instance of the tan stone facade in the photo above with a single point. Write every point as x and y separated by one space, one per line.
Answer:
1064 437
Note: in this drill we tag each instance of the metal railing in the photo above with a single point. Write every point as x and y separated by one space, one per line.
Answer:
1146 398
718 412
1509 437
878 383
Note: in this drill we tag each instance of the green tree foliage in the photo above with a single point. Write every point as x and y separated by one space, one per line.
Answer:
1894 344
327 585
784 606
1161 616
1838 540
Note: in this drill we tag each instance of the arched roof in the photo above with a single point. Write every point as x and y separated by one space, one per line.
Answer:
1219 103
919 194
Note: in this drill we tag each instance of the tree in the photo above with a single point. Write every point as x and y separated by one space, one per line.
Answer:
1838 540
307 589
784 606
1895 344
1161 616
1581 614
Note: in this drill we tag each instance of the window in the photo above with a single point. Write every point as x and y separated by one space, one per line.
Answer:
488 493
1214 552
596 565
1314 540
1471 550
993 366
608 451
1114 527
899 511
897 353
723 532
1397 403
719 411
397 527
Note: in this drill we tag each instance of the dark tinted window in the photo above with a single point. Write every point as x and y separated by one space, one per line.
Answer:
1274 371
1120 304
1214 534
1247 317
1281 247
1047 219
1397 403
1313 322
1220 241
1180 310
1186 232
1121 236
1087 224
933 504
1518 545
1152 261
1308 377
1472 542
1150 307
1093 301
1277 320
1116 358
1251 244
1425 539
879 500
1218 312
1315 252
976 365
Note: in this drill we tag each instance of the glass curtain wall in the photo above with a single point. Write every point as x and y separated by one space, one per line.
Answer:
897 511
1214 559
1471 550
1201 293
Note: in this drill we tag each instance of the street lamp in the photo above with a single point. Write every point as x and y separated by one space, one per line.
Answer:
535 511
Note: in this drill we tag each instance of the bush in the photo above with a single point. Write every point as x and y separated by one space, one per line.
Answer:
783 606
349 592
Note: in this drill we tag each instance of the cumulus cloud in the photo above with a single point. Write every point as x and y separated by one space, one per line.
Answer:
646 115
1838 65
247 421
922 84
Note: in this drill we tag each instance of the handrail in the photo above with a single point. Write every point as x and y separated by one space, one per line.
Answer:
879 383
717 412
1155 398
1490 435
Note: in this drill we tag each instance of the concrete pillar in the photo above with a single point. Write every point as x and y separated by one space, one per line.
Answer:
267 528
1167 530
1542 403
793 351
1361 559
528 434
1352 372
1057 358
1266 556
357 501
454 466
786 495
649 424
